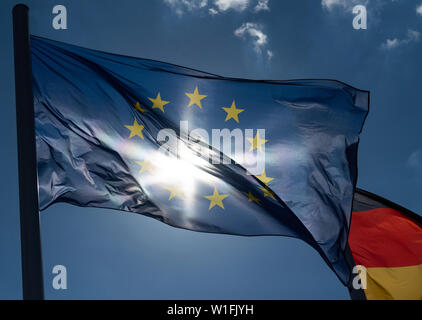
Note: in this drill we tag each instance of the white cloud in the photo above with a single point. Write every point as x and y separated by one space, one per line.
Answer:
330 4
180 6
238 5
254 31
212 11
345 4
412 36
262 5
391 43
419 10
415 160
216 6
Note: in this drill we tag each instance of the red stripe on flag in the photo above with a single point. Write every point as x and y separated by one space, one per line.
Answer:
384 237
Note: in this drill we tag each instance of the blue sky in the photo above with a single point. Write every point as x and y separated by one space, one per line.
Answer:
121 255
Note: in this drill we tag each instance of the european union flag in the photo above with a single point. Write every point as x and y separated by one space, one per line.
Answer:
196 150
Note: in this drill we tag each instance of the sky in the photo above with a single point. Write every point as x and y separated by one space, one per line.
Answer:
113 255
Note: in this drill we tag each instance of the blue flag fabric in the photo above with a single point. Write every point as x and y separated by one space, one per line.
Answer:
196 150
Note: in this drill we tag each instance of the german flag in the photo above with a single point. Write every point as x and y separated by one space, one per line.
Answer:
386 239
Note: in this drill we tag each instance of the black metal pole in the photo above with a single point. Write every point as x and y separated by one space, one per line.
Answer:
32 276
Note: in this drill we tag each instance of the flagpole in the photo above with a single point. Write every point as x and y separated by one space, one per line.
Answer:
32 275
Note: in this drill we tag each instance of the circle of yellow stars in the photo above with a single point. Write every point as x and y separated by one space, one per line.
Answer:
232 113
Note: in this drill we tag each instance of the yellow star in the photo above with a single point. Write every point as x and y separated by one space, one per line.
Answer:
136 130
252 198
233 112
257 142
195 98
175 191
158 103
139 108
145 166
268 193
263 177
216 199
